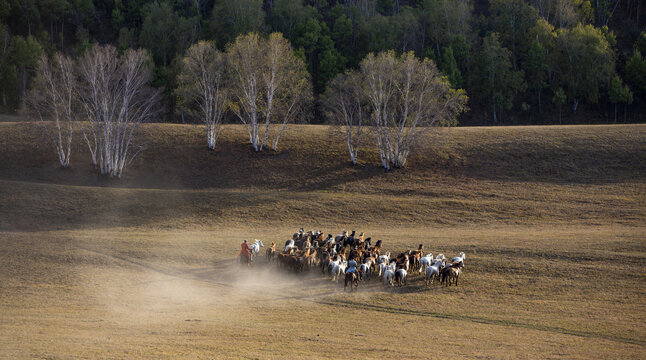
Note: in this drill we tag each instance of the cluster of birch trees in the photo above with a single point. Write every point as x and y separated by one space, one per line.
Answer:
259 80
266 86
103 95
399 96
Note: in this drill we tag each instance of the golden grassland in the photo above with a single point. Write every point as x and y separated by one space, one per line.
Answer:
552 220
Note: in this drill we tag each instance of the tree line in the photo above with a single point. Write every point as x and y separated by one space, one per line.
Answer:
518 60
260 80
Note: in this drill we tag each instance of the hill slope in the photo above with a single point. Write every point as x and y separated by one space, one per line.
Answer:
551 219
461 175
314 158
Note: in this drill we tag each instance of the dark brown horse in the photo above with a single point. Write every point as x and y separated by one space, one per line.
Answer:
351 278
451 273
245 261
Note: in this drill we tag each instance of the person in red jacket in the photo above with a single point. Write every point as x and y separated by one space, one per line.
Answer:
246 250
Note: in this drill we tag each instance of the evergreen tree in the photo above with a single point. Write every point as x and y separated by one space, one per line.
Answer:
512 19
559 100
495 78
460 48
158 31
636 72
535 66
450 68
234 17
24 53
586 62
620 93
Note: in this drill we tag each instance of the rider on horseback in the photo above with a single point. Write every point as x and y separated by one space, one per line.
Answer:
352 267
246 250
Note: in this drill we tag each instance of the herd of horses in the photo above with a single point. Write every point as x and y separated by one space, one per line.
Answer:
307 251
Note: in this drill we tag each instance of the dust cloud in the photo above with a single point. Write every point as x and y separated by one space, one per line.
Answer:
160 292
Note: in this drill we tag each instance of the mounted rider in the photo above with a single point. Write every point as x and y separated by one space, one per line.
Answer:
352 267
246 250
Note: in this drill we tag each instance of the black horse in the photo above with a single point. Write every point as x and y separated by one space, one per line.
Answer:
350 240
367 244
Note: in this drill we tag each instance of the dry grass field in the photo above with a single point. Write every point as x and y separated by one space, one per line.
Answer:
552 219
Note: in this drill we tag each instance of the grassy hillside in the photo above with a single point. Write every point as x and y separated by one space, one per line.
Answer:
552 220
462 175
315 158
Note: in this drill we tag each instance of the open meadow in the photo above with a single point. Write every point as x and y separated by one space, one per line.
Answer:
552 220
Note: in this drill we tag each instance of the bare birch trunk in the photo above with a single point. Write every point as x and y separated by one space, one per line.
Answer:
406 96
201 88
117 99
268 83
53 98
343 103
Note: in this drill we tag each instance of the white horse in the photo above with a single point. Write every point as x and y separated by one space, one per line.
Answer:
332 264
389 274
381 268
255 248
425 261
385 259
400 276
364 269
433 271
289 245
459 258
338 270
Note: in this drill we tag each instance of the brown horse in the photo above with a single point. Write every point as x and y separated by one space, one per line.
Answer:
317 238
355 254
415 257
351 278
403 262
244 260
310 257
452 273
359 241
376 250
343 251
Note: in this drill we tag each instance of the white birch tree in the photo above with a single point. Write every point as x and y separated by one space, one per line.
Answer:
287 85
406 97
201 87
343 103
117 98
267 83
245 76
53 98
